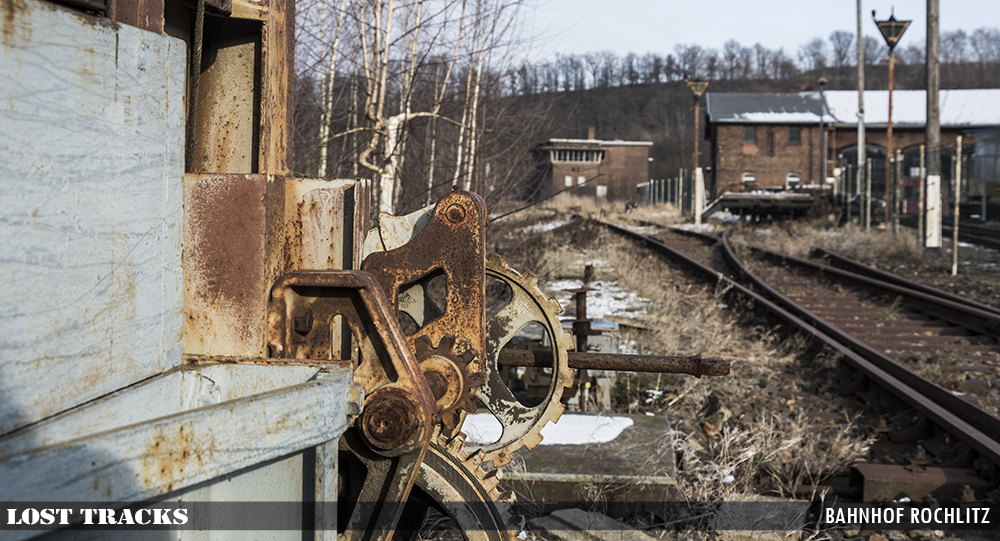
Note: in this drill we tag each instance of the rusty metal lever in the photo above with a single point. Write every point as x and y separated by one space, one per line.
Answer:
694 365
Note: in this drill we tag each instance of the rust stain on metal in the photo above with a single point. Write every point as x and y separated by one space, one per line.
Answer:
225 261
168 456
452 243
12 21
226 216
386 365
15 26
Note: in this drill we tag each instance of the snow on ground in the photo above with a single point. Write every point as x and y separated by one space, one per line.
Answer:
572 429
543 227
703 228
642 229
609 299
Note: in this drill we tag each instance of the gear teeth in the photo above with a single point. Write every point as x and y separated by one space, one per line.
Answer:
533 439
475 460
496 260
422 347
454 445
447 342
526 289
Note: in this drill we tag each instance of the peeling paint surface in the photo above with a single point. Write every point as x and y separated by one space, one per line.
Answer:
91 131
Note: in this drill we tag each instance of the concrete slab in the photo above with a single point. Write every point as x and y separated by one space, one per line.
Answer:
638 465
580 525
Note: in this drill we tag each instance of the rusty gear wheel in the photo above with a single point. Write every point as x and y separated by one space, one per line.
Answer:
453 481
452 385
522 425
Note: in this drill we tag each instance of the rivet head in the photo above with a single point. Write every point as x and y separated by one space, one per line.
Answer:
455 214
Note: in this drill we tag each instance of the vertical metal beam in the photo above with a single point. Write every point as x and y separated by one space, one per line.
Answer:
932 238
276 88
889 156
862 153
921 181
956 188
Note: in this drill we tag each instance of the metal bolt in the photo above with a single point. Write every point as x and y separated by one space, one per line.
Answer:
302 321
388 421
455 214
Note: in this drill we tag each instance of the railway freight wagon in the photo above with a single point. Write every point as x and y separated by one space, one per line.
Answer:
197 342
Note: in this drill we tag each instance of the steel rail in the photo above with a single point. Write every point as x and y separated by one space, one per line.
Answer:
856 267
971 424
981 437
958 312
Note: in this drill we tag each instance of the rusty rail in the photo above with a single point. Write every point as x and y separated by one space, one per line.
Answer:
886 374
836 260
694 365
969 423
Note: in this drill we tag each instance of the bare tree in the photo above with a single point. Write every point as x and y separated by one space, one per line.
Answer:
875 50
813 55
954 47
731 59
985 45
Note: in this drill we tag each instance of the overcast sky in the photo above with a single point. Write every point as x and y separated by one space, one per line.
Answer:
641 26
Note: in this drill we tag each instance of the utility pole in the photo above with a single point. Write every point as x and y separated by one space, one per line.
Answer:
866 203
822 132
956 188
891 30
932 235
697 89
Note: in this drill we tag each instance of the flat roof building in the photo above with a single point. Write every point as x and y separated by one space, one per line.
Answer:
608 170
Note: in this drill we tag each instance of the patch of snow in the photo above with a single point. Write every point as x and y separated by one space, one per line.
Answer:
572 429
544 227
704 228
641 229
609 299
628 347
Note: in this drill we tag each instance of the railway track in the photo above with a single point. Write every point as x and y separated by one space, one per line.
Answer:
985 237
935 353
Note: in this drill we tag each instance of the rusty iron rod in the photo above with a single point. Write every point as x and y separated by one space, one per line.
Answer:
694 365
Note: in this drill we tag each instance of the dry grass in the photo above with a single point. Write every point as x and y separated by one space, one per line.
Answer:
733 436
798 238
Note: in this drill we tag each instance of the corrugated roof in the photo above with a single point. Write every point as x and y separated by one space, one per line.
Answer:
958 108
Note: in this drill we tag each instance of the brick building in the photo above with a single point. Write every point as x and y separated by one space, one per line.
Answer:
590 167
770 140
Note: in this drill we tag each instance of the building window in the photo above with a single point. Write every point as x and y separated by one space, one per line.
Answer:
569 180
602 192
749 134
793 180
581 180
770 141
749 176
576 156
794 135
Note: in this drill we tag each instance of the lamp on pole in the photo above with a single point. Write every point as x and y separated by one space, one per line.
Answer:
697 89
891 30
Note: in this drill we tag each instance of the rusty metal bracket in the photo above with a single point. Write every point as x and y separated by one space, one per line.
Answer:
308 318
302 324
451 339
